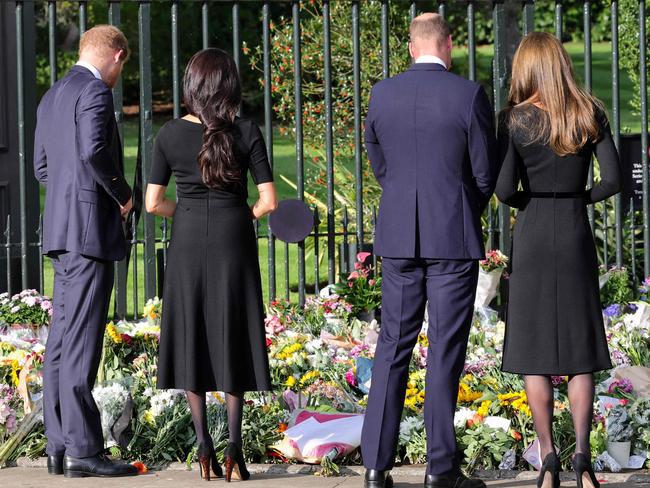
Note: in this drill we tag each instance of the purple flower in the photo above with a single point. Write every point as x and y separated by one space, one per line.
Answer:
557 380
624 385
613 310
620 358
359 350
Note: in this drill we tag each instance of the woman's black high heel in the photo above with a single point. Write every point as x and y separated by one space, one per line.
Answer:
585 476
216 467
207 462
550 467
205 454
235 463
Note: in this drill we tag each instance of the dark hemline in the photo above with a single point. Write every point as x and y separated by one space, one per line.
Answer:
592 370
175 386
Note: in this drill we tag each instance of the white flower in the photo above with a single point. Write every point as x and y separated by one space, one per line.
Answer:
462 416
164 400
313 345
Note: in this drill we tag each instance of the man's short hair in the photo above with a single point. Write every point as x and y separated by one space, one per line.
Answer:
104 38
429 27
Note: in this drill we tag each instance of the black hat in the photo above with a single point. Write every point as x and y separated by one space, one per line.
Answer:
292 221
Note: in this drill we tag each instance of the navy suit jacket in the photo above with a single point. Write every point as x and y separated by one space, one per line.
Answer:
78 157
430 138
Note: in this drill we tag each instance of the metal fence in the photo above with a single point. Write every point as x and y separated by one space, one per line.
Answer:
619 232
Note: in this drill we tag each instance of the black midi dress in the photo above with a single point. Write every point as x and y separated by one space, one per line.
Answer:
554 322
212 334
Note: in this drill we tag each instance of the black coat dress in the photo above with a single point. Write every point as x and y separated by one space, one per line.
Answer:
212 335
554 322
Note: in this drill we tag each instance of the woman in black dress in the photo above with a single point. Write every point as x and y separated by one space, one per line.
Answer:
554 323
212 335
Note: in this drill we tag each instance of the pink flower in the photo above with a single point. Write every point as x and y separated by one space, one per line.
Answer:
353 276
362 256
623 401
273 325
372 282
350 377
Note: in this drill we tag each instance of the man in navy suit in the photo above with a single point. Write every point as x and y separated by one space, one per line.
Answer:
430 139
78 157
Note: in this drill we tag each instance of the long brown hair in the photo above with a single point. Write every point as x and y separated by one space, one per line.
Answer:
542 74
212 92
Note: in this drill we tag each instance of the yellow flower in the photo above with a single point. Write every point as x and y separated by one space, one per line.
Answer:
484 409
466 394
423 340
16 355
287 351
148 417
291 382
15 367
517 400
468 378
113 333
308 377
218 397
150 311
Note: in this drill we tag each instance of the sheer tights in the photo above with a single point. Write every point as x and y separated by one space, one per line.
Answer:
539 390
234 406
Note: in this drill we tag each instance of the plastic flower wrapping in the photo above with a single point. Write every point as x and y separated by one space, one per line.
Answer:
321 358
111 401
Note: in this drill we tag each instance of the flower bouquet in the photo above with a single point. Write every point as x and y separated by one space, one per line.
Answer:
619 433
27 310
490 271
361 289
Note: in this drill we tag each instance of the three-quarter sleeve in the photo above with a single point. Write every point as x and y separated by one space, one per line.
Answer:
160 170
610 168
507 189
259 165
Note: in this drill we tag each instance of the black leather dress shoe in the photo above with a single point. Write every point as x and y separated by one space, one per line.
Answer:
99 465
55 464
451 480
378 479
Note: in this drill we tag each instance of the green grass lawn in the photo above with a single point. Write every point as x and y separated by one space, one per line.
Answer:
601 76
285 164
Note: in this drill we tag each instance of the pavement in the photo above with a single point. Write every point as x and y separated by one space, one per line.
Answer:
33 474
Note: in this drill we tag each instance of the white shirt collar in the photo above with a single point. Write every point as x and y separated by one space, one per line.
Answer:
90 67
430 58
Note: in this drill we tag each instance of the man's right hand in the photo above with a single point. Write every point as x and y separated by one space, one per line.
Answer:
126 208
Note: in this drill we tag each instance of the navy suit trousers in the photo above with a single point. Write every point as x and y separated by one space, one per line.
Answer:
82 291
407 284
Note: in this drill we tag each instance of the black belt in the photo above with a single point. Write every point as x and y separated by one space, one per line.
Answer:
553 194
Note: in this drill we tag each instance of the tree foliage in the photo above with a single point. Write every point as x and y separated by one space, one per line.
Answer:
313 86
629 47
